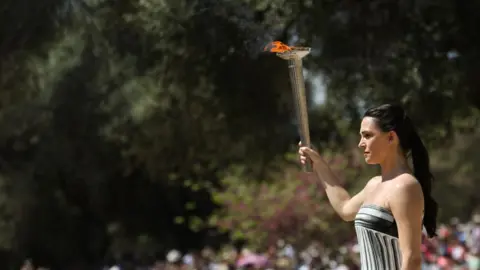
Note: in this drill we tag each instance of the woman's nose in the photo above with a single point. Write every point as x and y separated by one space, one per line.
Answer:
361 144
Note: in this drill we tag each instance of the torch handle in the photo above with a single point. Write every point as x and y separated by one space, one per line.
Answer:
298 88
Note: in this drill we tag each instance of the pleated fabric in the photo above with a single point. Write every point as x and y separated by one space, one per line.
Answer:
378 239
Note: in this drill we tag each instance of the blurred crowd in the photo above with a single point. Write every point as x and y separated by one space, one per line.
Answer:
281 256
457 247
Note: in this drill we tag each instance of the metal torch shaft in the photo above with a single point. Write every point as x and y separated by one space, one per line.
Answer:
295 67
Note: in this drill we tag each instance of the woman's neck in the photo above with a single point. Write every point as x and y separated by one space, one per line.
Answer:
394 166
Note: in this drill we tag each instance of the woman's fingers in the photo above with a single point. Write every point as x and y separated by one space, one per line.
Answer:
305 150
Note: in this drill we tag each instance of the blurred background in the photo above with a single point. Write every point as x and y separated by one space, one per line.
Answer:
153 134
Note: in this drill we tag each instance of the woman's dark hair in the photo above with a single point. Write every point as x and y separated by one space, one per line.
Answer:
391 117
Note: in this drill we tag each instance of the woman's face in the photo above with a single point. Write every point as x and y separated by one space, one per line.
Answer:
374 142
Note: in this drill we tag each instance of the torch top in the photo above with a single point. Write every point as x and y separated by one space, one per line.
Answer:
287 52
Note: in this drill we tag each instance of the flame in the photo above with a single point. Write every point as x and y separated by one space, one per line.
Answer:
277 47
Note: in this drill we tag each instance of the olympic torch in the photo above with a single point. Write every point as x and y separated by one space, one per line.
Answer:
294 57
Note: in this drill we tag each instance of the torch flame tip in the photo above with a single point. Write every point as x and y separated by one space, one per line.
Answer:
281 48
277 47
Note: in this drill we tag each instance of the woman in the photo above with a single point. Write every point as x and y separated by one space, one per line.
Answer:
391 208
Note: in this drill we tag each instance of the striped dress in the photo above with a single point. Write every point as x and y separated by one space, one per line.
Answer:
378 239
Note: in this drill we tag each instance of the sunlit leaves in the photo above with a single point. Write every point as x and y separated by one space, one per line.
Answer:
286 207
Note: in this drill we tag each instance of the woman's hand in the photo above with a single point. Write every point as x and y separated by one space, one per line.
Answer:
307 154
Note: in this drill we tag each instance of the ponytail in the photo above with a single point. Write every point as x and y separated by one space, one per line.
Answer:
421 170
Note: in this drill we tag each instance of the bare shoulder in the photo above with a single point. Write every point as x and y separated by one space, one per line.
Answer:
372 183
406 188
406 202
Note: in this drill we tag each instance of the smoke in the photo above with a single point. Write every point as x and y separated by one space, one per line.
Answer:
253 31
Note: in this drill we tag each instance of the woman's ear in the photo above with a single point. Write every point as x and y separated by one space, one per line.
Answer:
392 137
